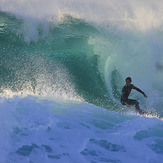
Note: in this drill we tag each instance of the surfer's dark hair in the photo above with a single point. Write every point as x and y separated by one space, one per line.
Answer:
129 78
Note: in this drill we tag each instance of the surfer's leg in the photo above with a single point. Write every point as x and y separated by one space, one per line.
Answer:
125 102
136 104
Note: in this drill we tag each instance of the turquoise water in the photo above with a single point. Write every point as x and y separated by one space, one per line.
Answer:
62 61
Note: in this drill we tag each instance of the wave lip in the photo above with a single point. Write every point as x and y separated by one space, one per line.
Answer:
142 15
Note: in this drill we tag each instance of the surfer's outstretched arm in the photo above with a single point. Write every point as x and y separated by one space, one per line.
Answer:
139 90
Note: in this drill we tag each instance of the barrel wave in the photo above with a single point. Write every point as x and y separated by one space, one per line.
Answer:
80 52
74 59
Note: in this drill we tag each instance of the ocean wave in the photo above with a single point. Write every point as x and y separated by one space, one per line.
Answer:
71 51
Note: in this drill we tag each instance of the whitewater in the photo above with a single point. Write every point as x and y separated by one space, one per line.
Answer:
63 64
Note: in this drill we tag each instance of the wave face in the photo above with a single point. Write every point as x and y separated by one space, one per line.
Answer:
82 50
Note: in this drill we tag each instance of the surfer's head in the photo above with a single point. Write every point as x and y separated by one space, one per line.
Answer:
128 81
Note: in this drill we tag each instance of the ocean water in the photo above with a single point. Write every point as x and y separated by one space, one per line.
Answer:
62 67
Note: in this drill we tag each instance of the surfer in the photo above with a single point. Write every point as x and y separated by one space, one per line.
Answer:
126 92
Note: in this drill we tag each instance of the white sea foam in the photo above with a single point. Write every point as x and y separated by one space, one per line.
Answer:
40 130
